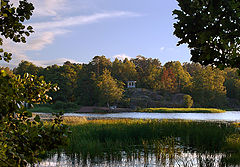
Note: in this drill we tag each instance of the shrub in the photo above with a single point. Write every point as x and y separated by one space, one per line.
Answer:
188 101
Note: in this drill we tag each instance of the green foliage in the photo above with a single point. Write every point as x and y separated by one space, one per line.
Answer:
188 101
210 28
23 139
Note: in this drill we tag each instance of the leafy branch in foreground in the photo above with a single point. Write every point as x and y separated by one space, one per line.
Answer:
23 139
11 27
211 30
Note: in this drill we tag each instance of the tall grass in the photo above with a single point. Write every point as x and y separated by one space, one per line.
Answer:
200 135
106 139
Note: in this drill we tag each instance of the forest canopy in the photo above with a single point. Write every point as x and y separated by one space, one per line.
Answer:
80 83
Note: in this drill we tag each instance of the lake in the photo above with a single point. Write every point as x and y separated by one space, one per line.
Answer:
227 116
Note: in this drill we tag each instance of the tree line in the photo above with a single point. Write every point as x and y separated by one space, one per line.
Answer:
102 82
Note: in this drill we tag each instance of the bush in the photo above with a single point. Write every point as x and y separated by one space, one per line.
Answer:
188 101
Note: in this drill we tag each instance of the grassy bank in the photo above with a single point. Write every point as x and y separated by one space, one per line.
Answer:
182 110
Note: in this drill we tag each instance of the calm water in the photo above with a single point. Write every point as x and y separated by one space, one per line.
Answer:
227 116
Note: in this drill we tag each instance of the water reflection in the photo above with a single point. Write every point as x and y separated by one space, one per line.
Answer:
141 159
161 153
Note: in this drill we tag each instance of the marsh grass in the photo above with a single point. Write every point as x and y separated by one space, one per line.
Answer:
182 110
107 139
102 133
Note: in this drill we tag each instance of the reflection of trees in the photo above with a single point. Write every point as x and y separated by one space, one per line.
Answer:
163 152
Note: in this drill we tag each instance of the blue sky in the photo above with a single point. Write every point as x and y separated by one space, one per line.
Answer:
78 30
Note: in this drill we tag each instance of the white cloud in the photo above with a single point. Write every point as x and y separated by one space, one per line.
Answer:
60 61
122 57
41 63
80 20
46 32
36 42
46 7
162 48
49 7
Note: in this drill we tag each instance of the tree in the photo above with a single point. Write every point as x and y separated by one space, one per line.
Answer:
27 67
99 64
211 30
145 67
86 91
124 71
22 139
208 87
192 68
70 72
168 80
109 89
183 78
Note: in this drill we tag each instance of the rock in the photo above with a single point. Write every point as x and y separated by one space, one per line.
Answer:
146 98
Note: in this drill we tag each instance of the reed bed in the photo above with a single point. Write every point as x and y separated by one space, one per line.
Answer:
106 139
201 135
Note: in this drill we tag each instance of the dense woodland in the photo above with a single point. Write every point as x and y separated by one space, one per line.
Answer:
92 83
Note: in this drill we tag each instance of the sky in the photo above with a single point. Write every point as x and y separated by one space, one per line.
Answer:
78 30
